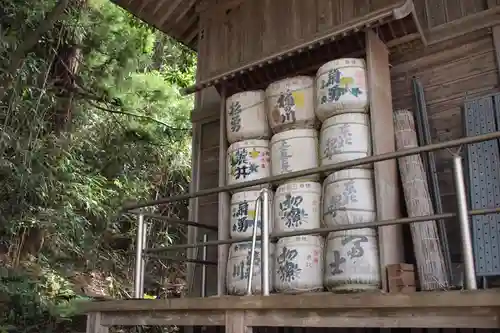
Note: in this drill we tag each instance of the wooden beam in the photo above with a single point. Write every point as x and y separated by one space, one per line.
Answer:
180 318
159 5
386 174
187 26
235 322
240 321
143 5
209 9
394 318
185 11
191 36
313 301
495 31
94 323
171 9
480 20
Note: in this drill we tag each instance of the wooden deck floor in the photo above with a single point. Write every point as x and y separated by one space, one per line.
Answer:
447 309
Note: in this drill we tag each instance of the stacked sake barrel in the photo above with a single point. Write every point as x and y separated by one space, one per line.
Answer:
351 258
248 158
298 265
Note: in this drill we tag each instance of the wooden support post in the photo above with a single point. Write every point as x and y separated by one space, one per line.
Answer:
223 211
495 32
193 205
235 322
94 323
387 190
195 184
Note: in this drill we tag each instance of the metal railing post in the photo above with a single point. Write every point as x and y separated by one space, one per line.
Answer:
204 268
258 210
463 217
264 243
144 258
139 246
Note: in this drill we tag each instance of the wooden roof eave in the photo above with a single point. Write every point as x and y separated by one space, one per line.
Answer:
178 19
402 10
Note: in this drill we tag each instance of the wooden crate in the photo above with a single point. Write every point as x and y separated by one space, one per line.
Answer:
401 278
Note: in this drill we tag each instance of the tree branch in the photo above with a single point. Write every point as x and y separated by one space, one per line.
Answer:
18 56
136 116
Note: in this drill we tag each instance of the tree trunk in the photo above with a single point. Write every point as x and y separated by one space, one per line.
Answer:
63 76
158 51
64 71
17 58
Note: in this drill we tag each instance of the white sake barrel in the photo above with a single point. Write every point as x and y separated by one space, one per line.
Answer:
341 86
349 197
299 264
243 214
246 116
238 268
352 260
297 206
248 160
294 150
290 103
345 137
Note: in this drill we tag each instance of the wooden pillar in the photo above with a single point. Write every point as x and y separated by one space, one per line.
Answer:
94 323
495 32
223 198
195 173
387 189
235 322
193 204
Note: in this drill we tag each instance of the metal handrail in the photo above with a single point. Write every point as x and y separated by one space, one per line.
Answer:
322 231
322 169
463 213
140 254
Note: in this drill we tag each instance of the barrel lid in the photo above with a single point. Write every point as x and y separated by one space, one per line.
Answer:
292 83
297 185
249 144
349 173
294 133
340 63
314 239
246 94
347 117
248 194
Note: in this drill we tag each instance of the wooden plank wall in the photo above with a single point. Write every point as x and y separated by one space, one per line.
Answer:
450 72
433 13
258 28
254 29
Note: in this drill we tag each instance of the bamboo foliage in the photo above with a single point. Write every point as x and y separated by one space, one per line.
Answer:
427 247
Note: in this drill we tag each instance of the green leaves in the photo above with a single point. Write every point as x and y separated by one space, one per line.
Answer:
129 140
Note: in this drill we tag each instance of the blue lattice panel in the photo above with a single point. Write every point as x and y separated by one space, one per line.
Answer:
484 183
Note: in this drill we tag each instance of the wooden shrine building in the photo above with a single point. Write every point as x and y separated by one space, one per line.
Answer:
451 46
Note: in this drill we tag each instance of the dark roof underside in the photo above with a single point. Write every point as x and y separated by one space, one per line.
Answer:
176 18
